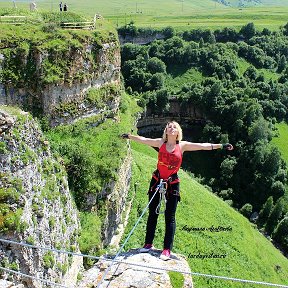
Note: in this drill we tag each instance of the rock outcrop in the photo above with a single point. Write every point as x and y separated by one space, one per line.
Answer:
149 271
117 199
53 78
6 122
8 284
141 39
36 206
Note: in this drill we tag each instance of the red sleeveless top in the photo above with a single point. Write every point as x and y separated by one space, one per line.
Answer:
169 163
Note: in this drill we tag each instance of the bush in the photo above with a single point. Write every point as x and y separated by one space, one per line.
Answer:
246 210
265 211
48 260
280 233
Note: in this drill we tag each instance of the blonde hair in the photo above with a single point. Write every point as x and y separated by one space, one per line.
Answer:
180 134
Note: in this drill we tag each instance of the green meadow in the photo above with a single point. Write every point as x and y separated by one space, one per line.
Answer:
185 14
281 139
246 254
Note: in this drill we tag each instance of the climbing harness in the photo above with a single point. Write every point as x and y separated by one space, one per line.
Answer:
162 198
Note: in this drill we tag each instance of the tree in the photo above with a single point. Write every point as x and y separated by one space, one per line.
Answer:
265 211
280 234
266 32
226 170
279 210
211 132
259 130
174 50
201 43
156 65
246 210
251 73
210 37
277 189
131 51
169 32
191 53
282 64
156 82
248 30
285 29
159 102
226 35
156 49
253 111
284 76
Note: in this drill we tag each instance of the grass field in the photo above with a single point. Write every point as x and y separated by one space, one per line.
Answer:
249 255
185 14
282 140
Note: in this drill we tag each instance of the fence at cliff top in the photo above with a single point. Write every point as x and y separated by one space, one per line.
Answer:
90 25
9 19
124 262
18 20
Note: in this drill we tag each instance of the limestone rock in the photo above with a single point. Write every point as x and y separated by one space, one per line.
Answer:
64 101
39 209
8 284
6 122
146 275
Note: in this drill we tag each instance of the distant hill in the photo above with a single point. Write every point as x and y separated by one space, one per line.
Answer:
249 3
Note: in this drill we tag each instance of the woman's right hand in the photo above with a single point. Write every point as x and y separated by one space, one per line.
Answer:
125 136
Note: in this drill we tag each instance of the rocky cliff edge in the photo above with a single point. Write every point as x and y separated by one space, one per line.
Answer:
137 270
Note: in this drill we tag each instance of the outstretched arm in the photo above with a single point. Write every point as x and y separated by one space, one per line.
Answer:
157 142
189 146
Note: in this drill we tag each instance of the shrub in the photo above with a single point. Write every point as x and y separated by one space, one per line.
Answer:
246 210
48 260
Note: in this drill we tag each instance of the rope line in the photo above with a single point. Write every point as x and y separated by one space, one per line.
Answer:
53 284
49 249
201 274
129 235
162 198
238 280
138 265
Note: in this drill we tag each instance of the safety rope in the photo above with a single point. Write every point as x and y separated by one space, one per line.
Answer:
53 284
129 235
135 264
162 198
200 274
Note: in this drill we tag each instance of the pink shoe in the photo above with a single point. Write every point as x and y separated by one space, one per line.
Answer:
165 255
146 248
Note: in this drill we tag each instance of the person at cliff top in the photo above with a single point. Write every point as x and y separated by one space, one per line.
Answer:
171 147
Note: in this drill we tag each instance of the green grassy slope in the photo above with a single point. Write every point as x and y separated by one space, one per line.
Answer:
186 14
249 255
282 140
180 75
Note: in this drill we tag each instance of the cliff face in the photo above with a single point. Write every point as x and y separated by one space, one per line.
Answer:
52 76
63 76
141 39
36 206
117 203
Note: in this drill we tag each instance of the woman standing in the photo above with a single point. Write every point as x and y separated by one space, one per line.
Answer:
171 148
